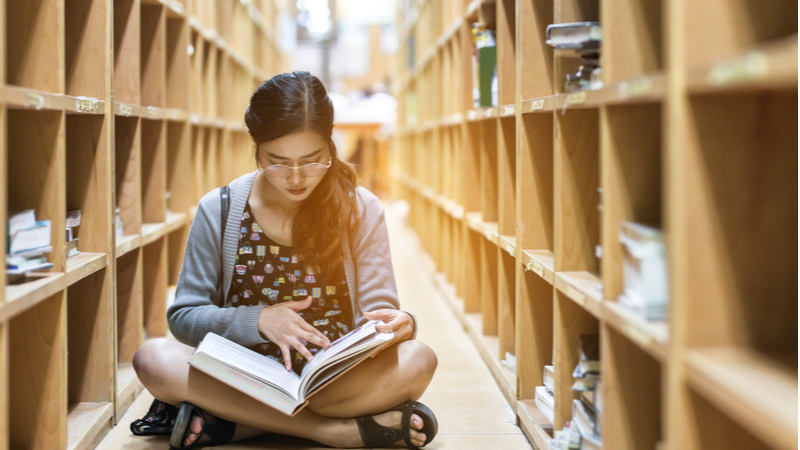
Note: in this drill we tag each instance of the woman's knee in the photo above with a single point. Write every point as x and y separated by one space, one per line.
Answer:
422 358
153 359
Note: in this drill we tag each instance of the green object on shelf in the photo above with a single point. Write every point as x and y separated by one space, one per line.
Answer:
487 64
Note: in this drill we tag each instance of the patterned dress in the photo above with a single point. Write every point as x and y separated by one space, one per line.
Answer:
267 273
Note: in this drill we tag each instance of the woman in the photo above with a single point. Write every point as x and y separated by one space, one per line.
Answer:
304 259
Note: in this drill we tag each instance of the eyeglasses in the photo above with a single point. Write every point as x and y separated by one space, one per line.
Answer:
311 170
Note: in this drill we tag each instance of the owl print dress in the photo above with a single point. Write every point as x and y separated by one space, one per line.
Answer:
268 273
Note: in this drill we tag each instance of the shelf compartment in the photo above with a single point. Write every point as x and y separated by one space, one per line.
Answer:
36 371
90 355
577 179
127 52
507 300
569 322
632 393
179 168
540 262
34 55
86 22
127 137
507 51
772 66
127 243
33 290
630 153
757 391
534 339
565 12
489 170
488 349
83 265
581 288
130 333
535 172
534 424
87 423
738 27
154 171
128 388
507 175
153 53
36 140
177 63
536 57
472 284
707 426
154 282
652 337
176 248
738 261
632 39
489 288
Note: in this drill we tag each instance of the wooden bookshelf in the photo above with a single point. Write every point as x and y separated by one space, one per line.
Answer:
693 131
101 104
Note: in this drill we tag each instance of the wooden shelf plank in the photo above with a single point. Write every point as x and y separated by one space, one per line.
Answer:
16 97
758 391
772 65
474 115
474 221
580 287
544 104
506 110
84 105
38 287
127 243
84 264
541 262
152 232
508 243
175 221
145 112
490 230
128 387
534 424
87 423
648 88
652 337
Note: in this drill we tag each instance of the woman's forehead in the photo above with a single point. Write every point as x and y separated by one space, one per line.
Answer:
296 145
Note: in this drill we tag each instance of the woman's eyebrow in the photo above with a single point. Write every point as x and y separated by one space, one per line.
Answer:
314 153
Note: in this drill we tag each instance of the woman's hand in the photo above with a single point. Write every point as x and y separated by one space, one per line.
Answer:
282 325
396 321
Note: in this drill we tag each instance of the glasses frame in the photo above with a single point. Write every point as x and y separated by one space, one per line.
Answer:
300 168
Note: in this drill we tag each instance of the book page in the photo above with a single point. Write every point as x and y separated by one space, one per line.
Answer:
249 362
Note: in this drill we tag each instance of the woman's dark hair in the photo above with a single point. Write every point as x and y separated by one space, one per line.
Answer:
292 102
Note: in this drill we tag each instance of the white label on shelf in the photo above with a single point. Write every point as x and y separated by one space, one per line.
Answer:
190 50
491 112
537 105
508 110
87 104
576 98
125 110
34 100
636 335
751 67
472 115
153 111
635 88
537 268
575 294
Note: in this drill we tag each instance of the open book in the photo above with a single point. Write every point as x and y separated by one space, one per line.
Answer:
268 380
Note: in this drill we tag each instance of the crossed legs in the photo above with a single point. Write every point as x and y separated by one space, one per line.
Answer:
401 372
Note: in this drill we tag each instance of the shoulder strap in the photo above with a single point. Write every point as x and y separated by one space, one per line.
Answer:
225 206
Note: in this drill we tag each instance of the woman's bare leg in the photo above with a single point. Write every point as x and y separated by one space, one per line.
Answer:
397 374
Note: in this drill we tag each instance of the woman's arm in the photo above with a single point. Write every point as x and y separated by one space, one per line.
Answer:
198 300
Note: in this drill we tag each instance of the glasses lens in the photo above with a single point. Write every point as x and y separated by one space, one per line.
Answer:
277 171
315 169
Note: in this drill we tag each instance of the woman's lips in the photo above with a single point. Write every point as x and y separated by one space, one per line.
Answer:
297 191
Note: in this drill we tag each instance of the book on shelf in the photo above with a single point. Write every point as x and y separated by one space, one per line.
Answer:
20 220
73 221
510 362
589 352
567 438
30 238
72 248
545 402
268 381
549 378
586 421
644 271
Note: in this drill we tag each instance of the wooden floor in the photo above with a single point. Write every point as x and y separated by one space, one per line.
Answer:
472 412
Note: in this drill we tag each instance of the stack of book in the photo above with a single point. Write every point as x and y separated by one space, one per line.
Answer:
583 431
28 240
73 222
584 38
544 395
644 270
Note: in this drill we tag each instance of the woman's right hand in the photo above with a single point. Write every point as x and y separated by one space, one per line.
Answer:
282 325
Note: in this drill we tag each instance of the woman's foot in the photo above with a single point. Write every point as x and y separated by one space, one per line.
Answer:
195 429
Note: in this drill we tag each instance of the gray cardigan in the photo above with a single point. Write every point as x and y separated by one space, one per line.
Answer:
199 305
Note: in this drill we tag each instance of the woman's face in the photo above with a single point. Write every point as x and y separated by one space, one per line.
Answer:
294 150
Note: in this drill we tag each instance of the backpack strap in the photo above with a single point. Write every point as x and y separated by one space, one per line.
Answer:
225 206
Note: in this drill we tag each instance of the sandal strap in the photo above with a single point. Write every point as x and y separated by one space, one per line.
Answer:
221 431
374 434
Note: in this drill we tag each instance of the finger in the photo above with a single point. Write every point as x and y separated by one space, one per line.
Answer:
302 350
315 336
299 305
381 314
287 356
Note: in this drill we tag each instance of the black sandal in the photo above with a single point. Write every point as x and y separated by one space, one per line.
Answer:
376 435
159 420
221 431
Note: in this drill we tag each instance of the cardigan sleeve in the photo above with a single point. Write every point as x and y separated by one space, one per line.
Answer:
372 256
198 298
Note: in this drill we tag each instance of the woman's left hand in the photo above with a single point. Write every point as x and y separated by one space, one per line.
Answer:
396 321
